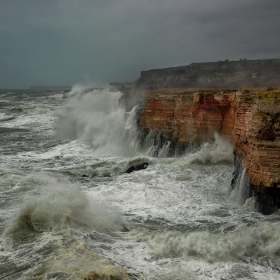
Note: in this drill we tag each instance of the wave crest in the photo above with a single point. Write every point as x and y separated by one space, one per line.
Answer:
249 243
67 206
95 115
220 151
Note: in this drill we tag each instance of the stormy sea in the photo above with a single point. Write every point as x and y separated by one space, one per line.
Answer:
70 211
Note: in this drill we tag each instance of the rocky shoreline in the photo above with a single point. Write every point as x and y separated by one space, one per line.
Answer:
249 118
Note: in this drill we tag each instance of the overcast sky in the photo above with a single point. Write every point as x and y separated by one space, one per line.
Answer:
92 42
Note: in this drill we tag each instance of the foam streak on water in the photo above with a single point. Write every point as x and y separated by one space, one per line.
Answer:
68 210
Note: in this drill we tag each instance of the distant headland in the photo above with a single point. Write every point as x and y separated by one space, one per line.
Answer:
226 74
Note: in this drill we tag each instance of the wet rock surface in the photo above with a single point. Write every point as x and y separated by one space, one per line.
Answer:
250 119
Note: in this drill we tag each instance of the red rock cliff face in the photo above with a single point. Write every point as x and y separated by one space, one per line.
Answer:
250 120
187 117
257 137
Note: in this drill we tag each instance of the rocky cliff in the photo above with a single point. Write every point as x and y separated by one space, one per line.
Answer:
250 73
249 119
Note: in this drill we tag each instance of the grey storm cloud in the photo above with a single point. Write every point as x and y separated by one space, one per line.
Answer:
63 42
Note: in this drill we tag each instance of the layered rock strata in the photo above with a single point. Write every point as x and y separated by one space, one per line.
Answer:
249 119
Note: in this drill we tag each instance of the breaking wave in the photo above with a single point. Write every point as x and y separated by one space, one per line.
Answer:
246 243
95 116
58 206
220 151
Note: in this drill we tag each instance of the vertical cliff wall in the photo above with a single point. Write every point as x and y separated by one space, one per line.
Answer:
250 120
257 144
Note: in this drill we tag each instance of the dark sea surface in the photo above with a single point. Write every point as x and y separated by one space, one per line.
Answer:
68 210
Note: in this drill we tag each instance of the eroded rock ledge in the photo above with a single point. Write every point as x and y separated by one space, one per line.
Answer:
250 119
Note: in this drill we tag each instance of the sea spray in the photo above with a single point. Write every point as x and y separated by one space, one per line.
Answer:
185 195
58 206
243 244
132 133
96 116
217 152
74 261
154 145
240 191
44 236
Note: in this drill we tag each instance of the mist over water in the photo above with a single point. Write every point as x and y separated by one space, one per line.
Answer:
68 210
95 116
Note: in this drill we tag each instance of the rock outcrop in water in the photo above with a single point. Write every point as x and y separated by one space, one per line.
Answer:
249 119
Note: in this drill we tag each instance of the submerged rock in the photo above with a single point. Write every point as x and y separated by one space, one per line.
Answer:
137 167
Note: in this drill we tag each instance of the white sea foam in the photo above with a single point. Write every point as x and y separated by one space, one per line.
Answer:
245 243
220 151
182 225
169 190
95 116
30 116
3 116
59 205
70 149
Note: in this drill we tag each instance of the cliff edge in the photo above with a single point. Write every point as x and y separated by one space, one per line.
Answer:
249 119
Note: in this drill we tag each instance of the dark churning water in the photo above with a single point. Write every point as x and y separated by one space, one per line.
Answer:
68 210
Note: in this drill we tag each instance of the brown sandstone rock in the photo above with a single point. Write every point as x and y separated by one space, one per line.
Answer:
249 119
